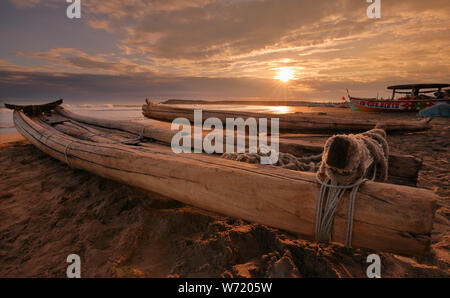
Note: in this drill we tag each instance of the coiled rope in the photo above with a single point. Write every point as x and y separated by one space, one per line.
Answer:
285 160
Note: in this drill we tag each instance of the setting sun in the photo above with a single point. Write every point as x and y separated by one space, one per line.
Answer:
285 75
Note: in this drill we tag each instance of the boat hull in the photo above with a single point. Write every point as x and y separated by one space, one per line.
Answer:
306 123
372 105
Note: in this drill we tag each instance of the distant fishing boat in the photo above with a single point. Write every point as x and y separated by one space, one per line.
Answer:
414 98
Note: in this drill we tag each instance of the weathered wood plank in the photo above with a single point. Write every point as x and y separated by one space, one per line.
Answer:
287 122
34 109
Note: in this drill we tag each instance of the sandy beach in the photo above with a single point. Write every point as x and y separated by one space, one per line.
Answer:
49 210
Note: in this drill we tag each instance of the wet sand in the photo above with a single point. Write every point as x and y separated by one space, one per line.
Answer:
49 210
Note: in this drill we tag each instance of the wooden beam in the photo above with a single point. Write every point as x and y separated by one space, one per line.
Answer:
287 122
35 109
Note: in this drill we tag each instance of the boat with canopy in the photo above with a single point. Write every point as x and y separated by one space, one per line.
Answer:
405 98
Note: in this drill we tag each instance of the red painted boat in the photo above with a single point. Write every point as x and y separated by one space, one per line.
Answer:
414 99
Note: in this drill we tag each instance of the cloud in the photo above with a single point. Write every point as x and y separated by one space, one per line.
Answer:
227 29
25 3
248 38
190 48
131 87
135 87
221 29
78 61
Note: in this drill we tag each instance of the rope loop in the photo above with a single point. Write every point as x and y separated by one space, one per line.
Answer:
65 152
370 154
330 194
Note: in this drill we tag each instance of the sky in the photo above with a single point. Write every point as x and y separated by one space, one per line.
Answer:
125 51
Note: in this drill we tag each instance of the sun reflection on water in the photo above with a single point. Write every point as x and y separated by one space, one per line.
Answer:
280 110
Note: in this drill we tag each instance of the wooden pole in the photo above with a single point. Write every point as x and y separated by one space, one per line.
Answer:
287 122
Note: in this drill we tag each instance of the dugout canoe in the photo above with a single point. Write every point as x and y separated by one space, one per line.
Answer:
387 217
287 122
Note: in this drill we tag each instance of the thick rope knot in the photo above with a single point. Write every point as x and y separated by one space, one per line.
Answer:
347 162
348 158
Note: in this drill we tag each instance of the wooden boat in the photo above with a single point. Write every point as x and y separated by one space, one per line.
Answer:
387 217
287 122
415 99
403 169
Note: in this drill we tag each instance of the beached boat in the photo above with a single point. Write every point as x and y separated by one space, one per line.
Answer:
414 99
387 217
287 122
